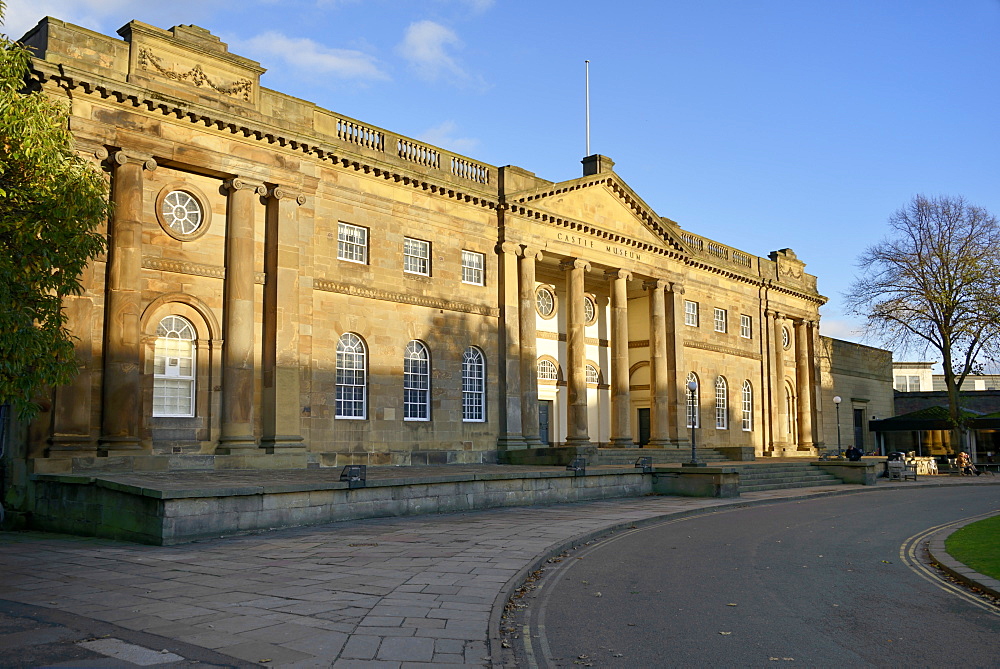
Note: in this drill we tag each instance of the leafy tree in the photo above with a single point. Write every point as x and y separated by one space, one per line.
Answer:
934 284
51 202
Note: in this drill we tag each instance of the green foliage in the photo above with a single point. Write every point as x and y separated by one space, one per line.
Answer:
51 203
976 546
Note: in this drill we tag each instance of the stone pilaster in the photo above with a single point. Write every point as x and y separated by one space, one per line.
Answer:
280 408
511 436
238 320
804 385
121 419
621 403
676 373
659 377
528 346
779 388
576 352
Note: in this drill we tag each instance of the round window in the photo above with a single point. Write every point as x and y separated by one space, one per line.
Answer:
786 339
182 212
545 301
589 310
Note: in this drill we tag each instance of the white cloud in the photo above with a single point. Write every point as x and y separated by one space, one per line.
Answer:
426 46
22 15
314 58
443 135
840 329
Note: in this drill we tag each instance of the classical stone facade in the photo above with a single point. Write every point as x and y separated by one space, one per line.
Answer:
285 285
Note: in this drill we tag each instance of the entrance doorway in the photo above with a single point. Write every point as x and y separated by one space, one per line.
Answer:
859 428
643 427
544 421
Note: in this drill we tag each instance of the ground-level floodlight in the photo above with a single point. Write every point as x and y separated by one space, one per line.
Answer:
645 464
355 475
578 467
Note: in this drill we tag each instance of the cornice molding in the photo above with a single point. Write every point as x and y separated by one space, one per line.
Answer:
727 350
194 269
404 298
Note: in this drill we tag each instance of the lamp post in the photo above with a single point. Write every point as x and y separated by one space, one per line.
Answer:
693 418
837 401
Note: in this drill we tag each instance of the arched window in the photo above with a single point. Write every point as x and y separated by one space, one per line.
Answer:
473 386
593 375
747 406
174 368
416 382
721 404
693 400
547 371
352 377
790 407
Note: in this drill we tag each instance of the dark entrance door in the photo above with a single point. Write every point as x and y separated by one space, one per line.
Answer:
859 428
643 427
544 413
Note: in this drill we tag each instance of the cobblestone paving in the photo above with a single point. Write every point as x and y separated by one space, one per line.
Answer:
402 592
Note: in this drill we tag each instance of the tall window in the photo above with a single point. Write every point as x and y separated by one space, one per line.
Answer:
690 313
692 400
746 326
547 371
721 404
352 382
416 256
747 406
473 386
416 382
593 375
473 268
790 407
352 243
720 320
174 368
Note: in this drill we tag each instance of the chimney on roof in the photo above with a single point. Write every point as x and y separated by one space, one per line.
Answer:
596 164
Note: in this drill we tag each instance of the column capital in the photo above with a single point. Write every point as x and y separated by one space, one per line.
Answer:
654 284
509 248
532 252
283 192
776 315
237 184
122 157
675 287
574 263
618 274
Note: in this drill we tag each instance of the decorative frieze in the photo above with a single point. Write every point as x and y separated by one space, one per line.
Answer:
194 269
241 89
404 298
727 350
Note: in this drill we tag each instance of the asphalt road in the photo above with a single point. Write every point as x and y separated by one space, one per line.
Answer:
834 581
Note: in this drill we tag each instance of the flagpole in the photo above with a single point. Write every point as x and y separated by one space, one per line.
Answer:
587 65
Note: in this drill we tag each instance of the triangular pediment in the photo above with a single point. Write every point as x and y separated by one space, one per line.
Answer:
606 202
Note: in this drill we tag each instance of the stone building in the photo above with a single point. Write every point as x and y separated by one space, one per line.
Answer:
862 377
285 286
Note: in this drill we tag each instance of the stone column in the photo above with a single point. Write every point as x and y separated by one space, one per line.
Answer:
121 417
768 403
528 346
238 320
659 377
677 391
621 403
804 385
280 409
511 436
778 386
576 352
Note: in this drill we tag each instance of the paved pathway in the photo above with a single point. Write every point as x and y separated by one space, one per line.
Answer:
402 592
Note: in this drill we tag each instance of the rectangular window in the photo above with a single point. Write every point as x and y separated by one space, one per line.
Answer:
473 268
720 320
746 326
416 256
352 243
690 313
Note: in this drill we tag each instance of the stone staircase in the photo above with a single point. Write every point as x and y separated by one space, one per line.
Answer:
625 457
780 475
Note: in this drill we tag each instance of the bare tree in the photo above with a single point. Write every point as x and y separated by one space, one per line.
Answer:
934 284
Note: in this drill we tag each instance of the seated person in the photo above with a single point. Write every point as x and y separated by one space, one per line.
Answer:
854 453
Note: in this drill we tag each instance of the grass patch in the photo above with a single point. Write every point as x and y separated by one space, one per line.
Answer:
978 546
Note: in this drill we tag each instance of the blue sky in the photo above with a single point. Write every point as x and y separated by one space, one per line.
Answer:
763 125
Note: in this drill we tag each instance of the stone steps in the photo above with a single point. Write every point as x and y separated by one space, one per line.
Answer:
757 478
624 457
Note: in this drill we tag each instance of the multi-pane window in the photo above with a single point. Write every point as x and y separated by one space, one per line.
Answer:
545 301
692 400
721 404
720 320
547 371
416 382
786 338
790 409
473 268
908 384
589 310
690 313
351 377
416 256
747 406
746 326
174 368
352 243
182 212
593 375
473 385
